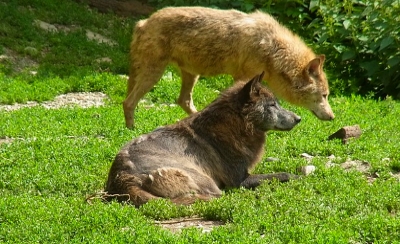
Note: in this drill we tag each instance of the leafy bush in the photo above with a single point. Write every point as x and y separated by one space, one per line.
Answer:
361 38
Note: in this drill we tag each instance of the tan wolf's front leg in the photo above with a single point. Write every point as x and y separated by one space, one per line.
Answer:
185 99
140 82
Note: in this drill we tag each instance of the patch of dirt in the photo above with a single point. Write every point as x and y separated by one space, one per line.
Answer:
174 225
16 61
361 166
6 139
177 225
80 99
396 175
358 165
122 7
93 36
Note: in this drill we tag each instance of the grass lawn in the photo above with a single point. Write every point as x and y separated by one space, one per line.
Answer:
52 160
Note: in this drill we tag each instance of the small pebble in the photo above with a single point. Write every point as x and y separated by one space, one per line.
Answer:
331 157
307 170
329 164
271 159
306 155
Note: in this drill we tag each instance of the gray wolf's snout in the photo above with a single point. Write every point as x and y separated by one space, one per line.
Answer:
297 119
289 120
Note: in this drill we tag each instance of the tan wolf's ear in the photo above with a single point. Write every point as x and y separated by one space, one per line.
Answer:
314 67
322 57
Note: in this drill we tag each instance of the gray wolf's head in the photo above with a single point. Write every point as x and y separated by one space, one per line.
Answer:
261 109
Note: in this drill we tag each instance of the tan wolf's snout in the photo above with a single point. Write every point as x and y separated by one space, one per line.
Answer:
323 111
318 91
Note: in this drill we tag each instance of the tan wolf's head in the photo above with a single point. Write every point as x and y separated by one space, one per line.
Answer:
311 89
262 110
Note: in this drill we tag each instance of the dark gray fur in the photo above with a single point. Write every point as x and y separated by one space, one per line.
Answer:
208 151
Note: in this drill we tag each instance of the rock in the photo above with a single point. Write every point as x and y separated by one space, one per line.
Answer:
346 133
167 76
306 156
271 159
307 170
329 164
331 157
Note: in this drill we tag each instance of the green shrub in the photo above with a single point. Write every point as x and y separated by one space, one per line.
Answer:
360 38
362 41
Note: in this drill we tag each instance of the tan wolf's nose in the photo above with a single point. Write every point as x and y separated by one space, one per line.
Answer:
330 116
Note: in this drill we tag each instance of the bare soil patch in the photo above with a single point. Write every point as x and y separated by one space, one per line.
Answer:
177 225
6 139
80 99
18 62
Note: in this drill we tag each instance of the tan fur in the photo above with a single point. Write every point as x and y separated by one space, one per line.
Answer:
210 150
208 42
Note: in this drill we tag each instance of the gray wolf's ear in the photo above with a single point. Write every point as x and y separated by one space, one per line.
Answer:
259 77
251 87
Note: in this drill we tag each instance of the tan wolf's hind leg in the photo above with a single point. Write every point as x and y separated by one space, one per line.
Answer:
185 99
141 80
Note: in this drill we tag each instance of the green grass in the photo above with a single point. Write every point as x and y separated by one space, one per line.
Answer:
59 157
63 54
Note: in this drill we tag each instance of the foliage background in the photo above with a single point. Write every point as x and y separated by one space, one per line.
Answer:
50 160
361 38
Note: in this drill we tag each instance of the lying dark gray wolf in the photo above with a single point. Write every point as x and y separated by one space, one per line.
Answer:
205 152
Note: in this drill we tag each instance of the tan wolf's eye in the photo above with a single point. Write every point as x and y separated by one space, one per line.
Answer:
325 96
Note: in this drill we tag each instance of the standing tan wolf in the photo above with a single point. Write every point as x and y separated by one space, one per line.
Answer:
198 156
205 41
